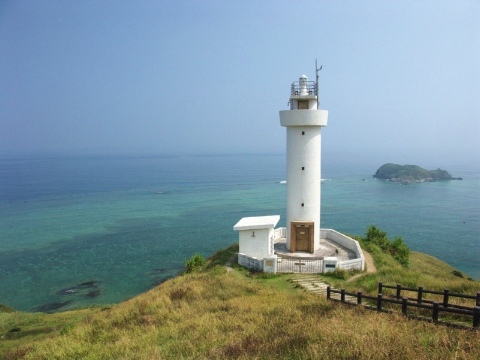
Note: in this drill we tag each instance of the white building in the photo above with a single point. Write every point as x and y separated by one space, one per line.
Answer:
256 235
256 242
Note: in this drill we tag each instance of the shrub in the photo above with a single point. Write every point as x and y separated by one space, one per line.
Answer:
396 248
178 294
5 308
195 263
457 273
400 251
378 237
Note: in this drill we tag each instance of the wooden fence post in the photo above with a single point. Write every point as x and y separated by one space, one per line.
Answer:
404 306
435 311
476 316
445 297
342 295
420 294
359 298
380 285
379 302
328 292
478 298
399 289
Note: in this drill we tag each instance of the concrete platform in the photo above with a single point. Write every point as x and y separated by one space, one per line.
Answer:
327 248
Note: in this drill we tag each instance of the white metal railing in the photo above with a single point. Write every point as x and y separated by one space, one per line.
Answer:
299 265
307 87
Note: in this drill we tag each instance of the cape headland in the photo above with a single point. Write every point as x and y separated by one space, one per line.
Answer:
218 310
407 174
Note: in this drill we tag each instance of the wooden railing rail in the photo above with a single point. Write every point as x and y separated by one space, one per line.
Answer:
420 291
434 306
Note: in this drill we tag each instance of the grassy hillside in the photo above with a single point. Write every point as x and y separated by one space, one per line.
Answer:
222 312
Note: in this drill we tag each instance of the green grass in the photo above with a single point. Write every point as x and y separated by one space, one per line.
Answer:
222 313
19 329
424 270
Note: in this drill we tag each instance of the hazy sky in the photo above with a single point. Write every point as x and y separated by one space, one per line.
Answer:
401 80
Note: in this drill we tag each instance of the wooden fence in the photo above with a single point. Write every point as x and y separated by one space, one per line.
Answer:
434 306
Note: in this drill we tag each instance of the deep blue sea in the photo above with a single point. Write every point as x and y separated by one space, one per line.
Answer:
112 227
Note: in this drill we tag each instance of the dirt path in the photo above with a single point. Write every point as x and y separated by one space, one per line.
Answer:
370 265
229 263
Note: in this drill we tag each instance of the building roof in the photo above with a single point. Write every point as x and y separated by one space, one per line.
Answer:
257 222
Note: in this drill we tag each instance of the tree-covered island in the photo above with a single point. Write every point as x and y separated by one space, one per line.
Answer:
407 174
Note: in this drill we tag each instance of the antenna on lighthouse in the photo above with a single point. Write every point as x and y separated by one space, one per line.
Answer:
316 83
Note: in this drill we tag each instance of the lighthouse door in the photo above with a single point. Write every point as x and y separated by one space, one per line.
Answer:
303 238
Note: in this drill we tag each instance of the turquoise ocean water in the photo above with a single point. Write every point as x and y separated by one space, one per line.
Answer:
111 227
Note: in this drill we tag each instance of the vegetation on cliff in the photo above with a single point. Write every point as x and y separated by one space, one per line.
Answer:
220 312
396 247
195 263
410 173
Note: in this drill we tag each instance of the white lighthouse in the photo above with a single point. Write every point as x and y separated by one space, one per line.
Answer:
301 247
303 122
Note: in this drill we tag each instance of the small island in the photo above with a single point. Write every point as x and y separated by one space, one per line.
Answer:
407 174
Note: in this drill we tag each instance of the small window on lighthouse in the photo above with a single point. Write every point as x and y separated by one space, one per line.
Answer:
303 132
303 167
302 105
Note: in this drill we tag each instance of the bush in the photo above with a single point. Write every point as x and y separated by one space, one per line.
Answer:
6 309
457 273
375 235
397 248
400 251
195 263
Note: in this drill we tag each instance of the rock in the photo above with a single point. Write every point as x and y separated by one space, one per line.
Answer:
88 284
157 271
80 289
93 294
68 291
50 307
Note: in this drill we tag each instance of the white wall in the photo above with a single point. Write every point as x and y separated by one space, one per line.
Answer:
279 233
270 264
259 246
303 186
312 101
303 117
354 264
250 262
347 242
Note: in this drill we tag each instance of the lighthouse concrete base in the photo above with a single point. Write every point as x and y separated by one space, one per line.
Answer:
336 251
327 248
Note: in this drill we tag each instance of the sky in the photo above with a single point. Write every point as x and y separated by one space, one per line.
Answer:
400 79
